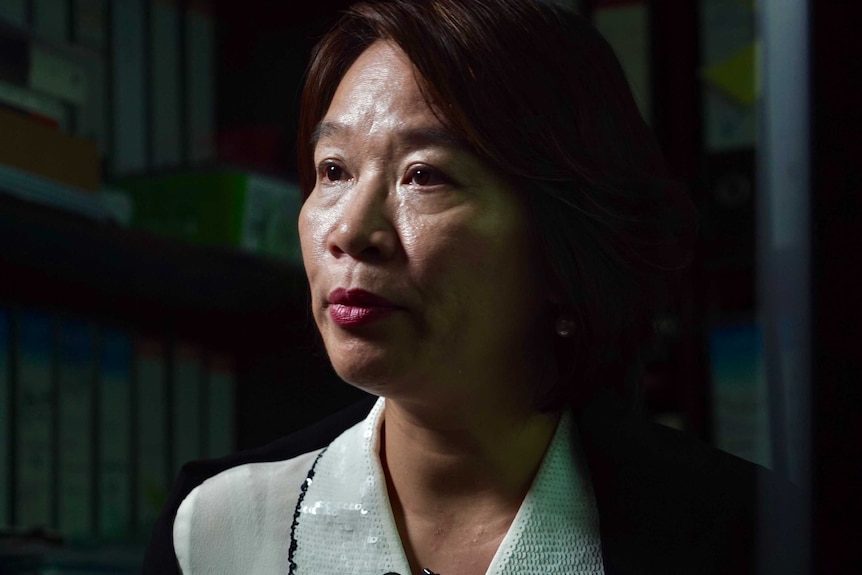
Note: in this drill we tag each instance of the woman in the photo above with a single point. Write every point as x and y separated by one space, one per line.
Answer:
486 230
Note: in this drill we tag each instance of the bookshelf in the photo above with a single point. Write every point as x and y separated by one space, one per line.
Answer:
230 301
211 349
73 267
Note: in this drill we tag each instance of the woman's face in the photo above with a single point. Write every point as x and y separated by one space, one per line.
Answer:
418 256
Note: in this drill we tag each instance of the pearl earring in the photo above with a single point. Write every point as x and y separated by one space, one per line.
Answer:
564 327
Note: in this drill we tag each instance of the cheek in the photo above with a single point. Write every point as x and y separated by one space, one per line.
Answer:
497 269
465 268
312 240
313 227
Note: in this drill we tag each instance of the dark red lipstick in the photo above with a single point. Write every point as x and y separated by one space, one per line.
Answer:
356 307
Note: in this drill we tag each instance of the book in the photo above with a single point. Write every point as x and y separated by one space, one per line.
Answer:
35 405
30 102
114 445
186 406
225 208
165 98
75 406
56 75
727 42
5 417
739 393
220 413
128 87
40 190
51 19
51 70
14 12
91 119
151 431
200 81
90 24
48 153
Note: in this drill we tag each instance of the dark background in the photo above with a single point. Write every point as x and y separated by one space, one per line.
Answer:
257 310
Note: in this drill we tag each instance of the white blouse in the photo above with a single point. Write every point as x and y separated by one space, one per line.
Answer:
327 513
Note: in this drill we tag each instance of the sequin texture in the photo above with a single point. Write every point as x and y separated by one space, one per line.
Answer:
329 512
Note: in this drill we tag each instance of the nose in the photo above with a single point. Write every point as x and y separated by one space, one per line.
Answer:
365 230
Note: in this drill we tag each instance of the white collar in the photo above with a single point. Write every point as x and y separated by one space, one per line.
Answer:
344 523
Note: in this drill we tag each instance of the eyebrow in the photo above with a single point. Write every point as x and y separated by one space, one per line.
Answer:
413 137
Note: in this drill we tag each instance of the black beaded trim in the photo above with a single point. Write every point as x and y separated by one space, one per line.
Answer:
303 488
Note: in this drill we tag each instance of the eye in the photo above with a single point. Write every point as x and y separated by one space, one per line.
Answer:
331 172
425 176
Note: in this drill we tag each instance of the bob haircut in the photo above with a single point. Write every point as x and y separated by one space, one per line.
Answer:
539 96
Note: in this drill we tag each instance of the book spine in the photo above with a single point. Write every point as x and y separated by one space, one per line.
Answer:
151 412
739 394
92 116
269 209
48 153
75 394
35 410
31 102
165 86
90 26
89 29
128 86
221 398
51 19
186 404
52 74
727 32
49 70
14 12
115 435
200 75
5 418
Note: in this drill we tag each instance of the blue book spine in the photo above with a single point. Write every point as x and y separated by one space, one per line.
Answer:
35 411
740 407
151 416
114 476
187 406
5 419
75 387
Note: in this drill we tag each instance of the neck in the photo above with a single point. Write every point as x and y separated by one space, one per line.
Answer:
481 457
456 477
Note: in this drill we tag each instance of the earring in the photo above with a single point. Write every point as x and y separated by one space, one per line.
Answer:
564 326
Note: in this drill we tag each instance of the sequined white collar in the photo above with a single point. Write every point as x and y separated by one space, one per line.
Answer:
343 523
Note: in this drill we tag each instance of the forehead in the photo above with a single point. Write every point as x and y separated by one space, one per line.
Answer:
379 93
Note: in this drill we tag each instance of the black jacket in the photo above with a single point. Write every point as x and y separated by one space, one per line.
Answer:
667 503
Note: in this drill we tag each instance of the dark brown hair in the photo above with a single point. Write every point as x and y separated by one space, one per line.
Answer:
539 96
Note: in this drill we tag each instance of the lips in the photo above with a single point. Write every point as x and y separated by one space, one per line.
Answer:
356 307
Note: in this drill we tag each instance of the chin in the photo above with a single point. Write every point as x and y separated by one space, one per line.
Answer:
369 383
362 361
371 374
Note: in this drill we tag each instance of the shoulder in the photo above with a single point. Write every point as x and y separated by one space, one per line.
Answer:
239 519
667 501
288 454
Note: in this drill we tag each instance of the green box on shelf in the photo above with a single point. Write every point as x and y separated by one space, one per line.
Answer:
219 209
